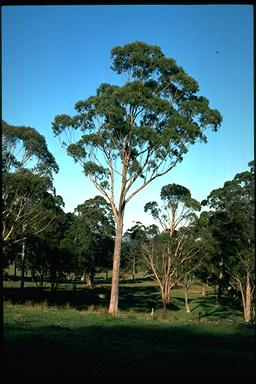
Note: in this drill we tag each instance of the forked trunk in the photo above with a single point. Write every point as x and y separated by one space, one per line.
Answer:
113 306
246 297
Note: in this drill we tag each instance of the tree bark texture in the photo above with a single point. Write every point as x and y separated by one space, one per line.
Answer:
113 306
247 306
164 314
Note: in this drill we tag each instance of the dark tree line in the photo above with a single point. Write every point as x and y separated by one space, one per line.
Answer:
37 235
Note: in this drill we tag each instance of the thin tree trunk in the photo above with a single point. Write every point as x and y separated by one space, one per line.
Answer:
22 276
88 279
247 307
203 291
15 270
164 314
220 286
186 298
165 300
113 306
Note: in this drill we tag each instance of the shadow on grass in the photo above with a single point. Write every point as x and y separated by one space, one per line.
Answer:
126 350
209 306
79 299
138 298
131 297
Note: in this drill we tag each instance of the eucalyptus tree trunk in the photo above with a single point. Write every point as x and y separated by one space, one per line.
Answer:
246 297
164 314
165 298
247 304
22 276
113 306
89 277
186 298
203 290
23 249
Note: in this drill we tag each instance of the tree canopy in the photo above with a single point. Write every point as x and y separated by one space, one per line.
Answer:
27 179
147 124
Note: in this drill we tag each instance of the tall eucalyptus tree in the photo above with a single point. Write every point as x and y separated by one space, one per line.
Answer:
127 136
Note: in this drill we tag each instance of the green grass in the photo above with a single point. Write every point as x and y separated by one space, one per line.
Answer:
71 334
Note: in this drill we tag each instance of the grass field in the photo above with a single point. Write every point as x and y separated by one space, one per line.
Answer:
71 334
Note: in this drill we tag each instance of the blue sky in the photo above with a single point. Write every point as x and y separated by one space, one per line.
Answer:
53 56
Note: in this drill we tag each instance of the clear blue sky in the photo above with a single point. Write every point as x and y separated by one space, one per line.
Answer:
53 56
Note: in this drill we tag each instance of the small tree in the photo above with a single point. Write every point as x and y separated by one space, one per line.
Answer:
209 269
132 247
171 256
127 136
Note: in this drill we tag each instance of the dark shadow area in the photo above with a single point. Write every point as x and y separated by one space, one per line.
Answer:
79 299
126 350
136 280
139 298
209 306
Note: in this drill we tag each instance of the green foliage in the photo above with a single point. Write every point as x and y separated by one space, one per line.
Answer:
27 201
144 126
178 206
173 193
232 227
46 259
89 239
234 209
98 214
22 145
132 255
27 187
